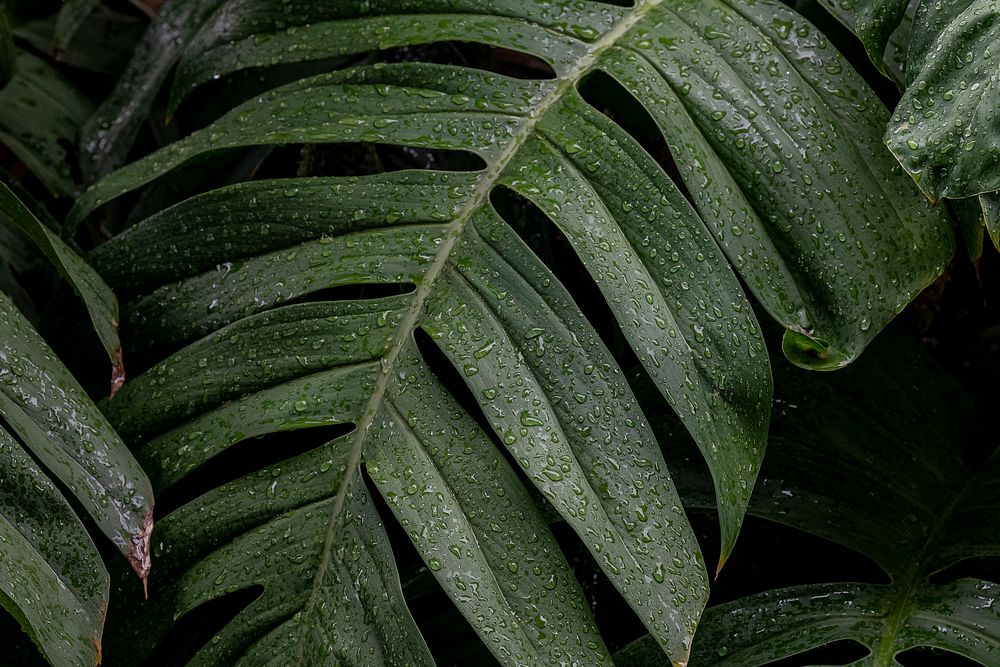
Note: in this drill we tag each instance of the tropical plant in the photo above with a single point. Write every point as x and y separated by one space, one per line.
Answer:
338 363
51 575
897 448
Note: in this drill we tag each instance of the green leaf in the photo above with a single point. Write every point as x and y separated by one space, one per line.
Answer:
51 576
51 415
902 442
107 136
944 131
40 114
873 21
100 302
72 16
739 108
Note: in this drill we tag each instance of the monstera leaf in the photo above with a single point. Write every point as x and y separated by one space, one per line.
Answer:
51 576
899 477
288 304
946 129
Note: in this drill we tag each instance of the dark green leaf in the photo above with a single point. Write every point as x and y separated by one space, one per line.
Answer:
100 302
40 115
47 410
902 444
51 577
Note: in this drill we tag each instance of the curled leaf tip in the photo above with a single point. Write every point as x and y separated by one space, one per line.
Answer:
139 557
117 374
722 563
812 353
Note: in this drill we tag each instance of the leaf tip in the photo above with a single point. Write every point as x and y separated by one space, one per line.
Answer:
117 367
139 557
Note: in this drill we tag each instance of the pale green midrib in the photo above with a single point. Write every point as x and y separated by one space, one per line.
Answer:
454 231
905 587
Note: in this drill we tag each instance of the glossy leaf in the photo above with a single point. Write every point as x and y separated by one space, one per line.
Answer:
903 443
52 578
97 297
107 136
946 130
874 21
767 246
40 114
775 137
831 315
49 412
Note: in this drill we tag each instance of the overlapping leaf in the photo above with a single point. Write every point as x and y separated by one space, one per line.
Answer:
777 141
946 129
101 304
52 578
902 444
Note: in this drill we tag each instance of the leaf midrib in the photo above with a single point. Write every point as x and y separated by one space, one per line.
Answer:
453 233
905 588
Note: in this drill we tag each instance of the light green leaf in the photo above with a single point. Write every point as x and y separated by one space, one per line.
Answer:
97 297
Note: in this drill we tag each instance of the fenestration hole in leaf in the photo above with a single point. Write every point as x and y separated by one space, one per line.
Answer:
451 379
197 627
605 94
841 652
925 656
551 246
985 567
353 292
243 458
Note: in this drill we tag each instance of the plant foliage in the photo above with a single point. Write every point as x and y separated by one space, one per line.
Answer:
390 348
900 477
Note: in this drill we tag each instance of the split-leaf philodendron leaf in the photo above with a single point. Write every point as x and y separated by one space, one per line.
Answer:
897 477
775 137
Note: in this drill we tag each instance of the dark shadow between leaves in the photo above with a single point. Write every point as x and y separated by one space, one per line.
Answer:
551 246
933 657
842 652
197 627
243 458
606 95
